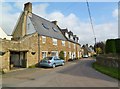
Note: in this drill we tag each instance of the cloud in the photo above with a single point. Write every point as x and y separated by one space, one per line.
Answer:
82 29
40 9
115 13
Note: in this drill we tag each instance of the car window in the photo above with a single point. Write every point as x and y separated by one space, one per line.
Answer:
47 58
55 58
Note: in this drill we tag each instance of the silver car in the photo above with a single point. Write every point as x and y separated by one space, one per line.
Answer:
51 62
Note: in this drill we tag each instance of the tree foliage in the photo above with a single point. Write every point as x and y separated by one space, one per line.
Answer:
99 48
61 55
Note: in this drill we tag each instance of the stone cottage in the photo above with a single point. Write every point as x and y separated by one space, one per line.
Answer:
35 38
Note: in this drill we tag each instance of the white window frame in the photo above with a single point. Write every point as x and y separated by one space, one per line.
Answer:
66 34
71 37
55 52
64 53
43 39
44 52
69 54
63 43
54 41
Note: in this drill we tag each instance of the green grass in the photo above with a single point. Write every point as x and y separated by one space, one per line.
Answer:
113 72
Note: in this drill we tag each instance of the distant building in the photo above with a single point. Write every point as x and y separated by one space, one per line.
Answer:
88 50
3 35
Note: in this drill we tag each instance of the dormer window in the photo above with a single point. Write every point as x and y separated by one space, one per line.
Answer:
66 34
45 26
54 29
76 39
71 37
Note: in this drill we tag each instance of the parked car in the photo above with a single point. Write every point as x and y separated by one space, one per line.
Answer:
51 62
85 56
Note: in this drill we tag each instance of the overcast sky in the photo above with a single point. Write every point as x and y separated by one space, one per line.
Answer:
71 15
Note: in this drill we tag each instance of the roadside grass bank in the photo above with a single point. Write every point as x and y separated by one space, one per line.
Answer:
113 72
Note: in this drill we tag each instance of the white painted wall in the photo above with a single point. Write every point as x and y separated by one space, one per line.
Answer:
4 35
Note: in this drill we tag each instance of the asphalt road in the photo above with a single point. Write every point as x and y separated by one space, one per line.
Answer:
73 74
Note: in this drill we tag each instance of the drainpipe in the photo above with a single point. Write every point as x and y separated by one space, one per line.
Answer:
38 48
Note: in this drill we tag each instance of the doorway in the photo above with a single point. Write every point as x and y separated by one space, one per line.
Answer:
18 59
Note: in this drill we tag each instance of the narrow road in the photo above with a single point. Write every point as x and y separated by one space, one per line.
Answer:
73 74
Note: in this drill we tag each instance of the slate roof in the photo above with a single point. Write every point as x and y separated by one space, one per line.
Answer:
70 33
46 28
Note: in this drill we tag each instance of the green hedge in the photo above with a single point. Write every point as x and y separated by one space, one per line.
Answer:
112 46
117 44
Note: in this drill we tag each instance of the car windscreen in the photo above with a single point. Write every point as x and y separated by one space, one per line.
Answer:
47 58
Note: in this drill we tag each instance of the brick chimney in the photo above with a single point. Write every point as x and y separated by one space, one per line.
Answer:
27 13
28 7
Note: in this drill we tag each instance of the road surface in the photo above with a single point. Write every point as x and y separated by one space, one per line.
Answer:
72 74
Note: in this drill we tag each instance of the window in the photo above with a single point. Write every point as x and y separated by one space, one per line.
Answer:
54 53
54 29
47 58
74 55
54 41
69 54
43 39
63 43
76 40
71 37
44 54
69 45
45 26
66 34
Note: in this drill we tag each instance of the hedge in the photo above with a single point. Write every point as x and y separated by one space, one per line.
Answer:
117 44
110 46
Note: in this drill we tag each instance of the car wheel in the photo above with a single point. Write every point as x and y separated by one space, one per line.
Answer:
63 64
53 65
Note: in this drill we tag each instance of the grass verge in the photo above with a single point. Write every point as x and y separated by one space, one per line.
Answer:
113 72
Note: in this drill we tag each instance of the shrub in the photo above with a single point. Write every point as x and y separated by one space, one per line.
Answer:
61 55
117 44
110 46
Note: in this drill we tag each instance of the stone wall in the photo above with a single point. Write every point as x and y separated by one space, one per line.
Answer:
109 60
30 43
6 46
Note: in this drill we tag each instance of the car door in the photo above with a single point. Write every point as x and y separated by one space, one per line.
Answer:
56 61
59 61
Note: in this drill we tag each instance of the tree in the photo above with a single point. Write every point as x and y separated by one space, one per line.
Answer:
99 47
61 55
